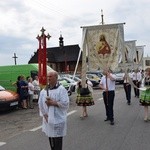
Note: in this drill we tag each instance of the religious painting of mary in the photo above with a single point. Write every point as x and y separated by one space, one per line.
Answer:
102 46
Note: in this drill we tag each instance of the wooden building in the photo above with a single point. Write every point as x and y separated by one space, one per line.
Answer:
62 58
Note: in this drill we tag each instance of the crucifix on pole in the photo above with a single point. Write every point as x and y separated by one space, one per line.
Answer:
42 57
15 58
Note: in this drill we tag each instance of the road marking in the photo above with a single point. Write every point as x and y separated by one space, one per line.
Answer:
71 112
100 99
35 129
68 114
2 143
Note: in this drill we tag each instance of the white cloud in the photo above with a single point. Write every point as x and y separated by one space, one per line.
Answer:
21 21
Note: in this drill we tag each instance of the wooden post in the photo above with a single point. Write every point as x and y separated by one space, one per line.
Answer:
15 58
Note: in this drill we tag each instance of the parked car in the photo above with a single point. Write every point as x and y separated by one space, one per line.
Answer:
93 78
65 75
8 99
98 73
72 83
65 84
77 79
9 74
119 77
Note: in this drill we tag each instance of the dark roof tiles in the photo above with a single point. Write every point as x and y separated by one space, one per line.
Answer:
58 54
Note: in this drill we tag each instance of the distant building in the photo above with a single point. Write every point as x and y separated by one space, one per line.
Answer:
62 58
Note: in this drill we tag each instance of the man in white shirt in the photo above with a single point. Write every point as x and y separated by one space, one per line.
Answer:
127 86
107 84
137 77
53 105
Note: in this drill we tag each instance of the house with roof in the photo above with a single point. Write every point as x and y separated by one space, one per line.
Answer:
62 58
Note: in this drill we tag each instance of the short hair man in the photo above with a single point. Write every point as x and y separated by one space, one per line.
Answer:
53 105
107 84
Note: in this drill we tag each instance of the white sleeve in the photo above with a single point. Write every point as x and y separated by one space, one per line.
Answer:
64 98
41 102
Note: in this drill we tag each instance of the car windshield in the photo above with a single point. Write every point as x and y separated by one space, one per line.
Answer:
68 79
2 88
118 71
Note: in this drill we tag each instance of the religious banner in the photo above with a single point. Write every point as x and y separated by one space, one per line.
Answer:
138 55
103 45
130 48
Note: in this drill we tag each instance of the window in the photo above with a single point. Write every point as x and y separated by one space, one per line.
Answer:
147 62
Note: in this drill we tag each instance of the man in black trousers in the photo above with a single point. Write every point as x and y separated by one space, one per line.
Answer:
107 84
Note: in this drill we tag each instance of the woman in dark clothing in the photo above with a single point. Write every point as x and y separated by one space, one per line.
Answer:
23 92
18 90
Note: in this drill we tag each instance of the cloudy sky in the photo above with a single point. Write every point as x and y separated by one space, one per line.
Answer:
22 20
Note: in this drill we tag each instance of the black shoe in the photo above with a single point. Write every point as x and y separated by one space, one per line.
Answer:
128 103
112 123
106 119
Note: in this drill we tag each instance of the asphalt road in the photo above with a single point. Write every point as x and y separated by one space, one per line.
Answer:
21 129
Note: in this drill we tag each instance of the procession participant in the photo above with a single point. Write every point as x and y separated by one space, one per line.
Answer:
23 91
84 99
17 84
145 95
36 86
53 106
127 87
31 93
137 77
107 84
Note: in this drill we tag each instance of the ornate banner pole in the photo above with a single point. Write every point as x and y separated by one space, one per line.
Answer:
42 57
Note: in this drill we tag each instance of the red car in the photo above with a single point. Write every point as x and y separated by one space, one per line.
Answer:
8 99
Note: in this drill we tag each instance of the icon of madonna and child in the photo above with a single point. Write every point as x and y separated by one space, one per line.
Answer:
102 47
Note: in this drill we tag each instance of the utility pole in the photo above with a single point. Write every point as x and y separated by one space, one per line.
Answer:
15 58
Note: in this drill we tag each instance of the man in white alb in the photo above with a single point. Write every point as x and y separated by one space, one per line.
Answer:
53 105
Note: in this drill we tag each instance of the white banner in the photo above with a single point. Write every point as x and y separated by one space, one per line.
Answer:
130 48
138 55
103 45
